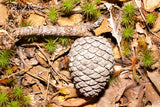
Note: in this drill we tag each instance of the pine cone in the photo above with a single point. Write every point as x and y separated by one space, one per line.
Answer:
91 62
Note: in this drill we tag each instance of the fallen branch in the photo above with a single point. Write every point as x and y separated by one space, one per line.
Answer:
77 30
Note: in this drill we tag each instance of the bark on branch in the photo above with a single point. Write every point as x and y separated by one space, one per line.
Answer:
77 30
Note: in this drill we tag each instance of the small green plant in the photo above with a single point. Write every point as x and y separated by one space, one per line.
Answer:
13 104
17 92
31 38
147 58
127 20
127 32
50 45
3 99
53 14
26 23
97 1
64 41
67 6
129 10
26 100
9 71
5 56
150 18
90 11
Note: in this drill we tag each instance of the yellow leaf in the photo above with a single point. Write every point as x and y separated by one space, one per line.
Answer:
64 91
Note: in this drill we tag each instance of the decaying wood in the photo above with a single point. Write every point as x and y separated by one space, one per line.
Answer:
77 30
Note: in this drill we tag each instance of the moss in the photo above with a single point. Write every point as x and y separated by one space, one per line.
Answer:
14 104
50 44
90 11
17 92
129 10
64 41
26 23
3 99
67 6
9 71
53 14
5 56
127 32
150 18
147 58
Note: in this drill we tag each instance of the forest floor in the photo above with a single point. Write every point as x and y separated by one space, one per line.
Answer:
36 37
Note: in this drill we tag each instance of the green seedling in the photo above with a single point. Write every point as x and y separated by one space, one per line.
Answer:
127 32
150 18
5 56
127 20
97 1
26 100
67 6
64 41
31 38
17 92
50 44
9 71
53 14
129 10
147 58
13 104
26 23
3 99
90 11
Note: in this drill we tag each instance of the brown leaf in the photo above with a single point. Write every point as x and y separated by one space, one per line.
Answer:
75 103
155 78
135 95
151 95
115 91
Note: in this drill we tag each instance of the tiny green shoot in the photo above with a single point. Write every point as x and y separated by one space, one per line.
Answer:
129 10
150 18
17 92
64 41
127 32
67 6
147 58
53 14
5 56
13 104
90 11
50 44
3 99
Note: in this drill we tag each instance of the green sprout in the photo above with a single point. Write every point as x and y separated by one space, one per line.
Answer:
147 58
50 45
26 100
14 104
64 41
90 11
127 20
127 32
53 14
97 1
129 10
3 99
9 71
5 56
67 6
31 38
26 23
17 92
150 18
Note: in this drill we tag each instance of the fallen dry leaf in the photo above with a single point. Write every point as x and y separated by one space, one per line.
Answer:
115 91
155 78
151 95
76 102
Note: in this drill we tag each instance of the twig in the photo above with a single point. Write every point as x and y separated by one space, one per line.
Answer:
47 88
49 62
77 30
